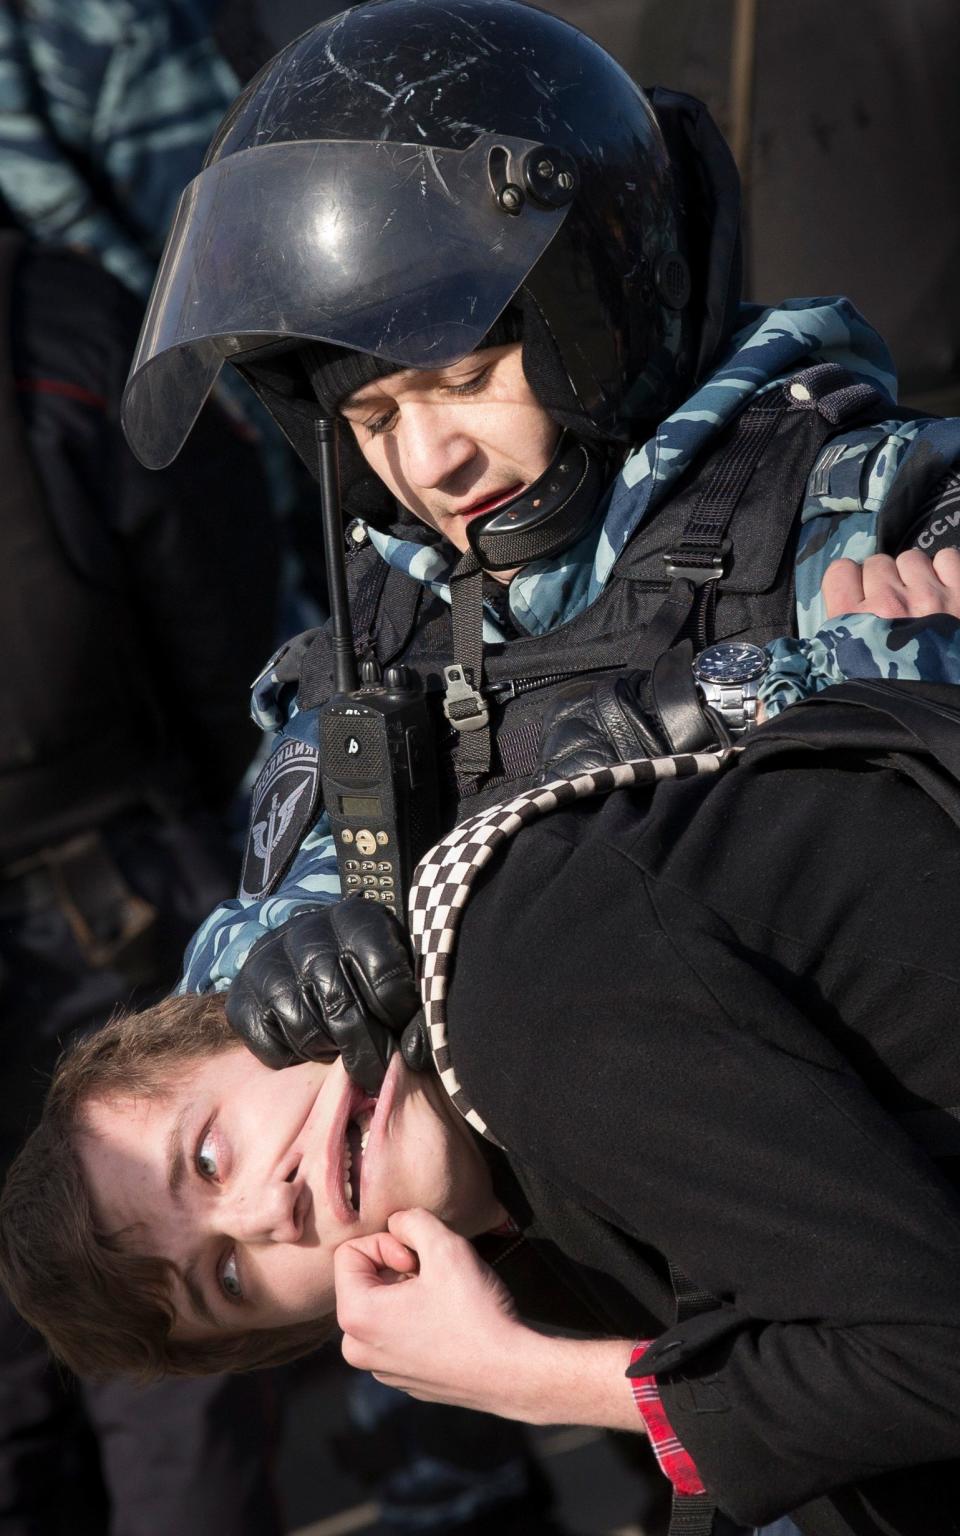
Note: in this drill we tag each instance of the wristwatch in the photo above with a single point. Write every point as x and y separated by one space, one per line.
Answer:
728 676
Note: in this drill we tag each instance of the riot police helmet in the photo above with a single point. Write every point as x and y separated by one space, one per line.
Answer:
399 181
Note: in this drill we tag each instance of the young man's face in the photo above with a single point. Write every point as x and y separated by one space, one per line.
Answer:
238 1174
456 442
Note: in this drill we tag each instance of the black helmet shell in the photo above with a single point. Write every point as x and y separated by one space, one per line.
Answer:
586 248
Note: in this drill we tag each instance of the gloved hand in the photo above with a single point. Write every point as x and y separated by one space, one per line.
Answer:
627 715
333 981
594 723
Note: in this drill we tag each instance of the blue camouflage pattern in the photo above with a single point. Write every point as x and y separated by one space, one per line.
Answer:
119 94
846 490
849 484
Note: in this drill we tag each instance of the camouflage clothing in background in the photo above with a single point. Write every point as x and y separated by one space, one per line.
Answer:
106 110
846 491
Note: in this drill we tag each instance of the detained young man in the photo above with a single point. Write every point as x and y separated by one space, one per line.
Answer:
734 1094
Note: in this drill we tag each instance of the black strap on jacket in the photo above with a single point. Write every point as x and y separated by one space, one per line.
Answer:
691 1514
698 561
464 704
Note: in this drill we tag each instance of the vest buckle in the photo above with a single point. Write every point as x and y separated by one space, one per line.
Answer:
464 707
708 567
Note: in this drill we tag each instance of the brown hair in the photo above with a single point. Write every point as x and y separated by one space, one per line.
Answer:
103 1310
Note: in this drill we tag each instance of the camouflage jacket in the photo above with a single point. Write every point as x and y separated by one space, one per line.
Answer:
846 492
106 110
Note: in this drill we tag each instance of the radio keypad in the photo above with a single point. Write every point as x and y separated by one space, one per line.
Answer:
374 878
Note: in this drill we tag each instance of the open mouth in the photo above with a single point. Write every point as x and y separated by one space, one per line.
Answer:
354 1148
490 502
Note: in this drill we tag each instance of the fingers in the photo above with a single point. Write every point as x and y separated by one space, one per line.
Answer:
375 954
362 1268
420 1229
930 586
366 1050
842 588
255 1021
910 586
946 563
924 592
888 591
371 1261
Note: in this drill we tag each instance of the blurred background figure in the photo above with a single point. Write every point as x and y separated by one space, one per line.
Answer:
106 109
135 609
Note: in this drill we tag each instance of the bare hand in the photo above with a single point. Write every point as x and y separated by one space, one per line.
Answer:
448 1334
911 586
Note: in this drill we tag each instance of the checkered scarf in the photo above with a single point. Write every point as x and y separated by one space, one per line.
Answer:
444 877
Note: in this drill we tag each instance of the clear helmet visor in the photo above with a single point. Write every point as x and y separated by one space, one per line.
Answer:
401 250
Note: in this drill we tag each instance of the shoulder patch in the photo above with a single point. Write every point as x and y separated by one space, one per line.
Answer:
283 808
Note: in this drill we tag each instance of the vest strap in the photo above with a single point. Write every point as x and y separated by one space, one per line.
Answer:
464 704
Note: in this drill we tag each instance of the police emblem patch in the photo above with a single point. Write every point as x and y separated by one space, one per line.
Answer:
283 807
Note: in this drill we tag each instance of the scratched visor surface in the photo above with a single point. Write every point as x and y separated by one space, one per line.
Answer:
401 250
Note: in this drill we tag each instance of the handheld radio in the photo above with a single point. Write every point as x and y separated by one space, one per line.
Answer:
377 760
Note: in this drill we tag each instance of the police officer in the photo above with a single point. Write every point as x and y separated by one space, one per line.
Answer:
473 200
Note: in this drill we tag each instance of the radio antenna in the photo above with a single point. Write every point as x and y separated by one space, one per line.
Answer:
344 654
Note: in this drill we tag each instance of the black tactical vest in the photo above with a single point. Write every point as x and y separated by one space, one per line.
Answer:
735 511
78 738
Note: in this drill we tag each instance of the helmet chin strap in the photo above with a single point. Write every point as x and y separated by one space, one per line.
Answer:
542 521
545 518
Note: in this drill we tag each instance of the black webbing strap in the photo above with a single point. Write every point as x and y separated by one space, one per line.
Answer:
691 1514
698 555
366 605
690 1299
464 704
697 560
518 754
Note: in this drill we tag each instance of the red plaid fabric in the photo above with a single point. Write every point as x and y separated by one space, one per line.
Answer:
675 1462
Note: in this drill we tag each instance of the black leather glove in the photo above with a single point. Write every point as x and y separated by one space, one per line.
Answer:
594 723
335 981
626 715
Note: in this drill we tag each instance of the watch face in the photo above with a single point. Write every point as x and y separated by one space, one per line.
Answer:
730 661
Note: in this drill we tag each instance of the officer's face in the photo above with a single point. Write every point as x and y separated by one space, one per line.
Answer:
456 442
239 1175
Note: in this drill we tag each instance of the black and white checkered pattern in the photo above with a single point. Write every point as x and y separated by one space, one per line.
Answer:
444 876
